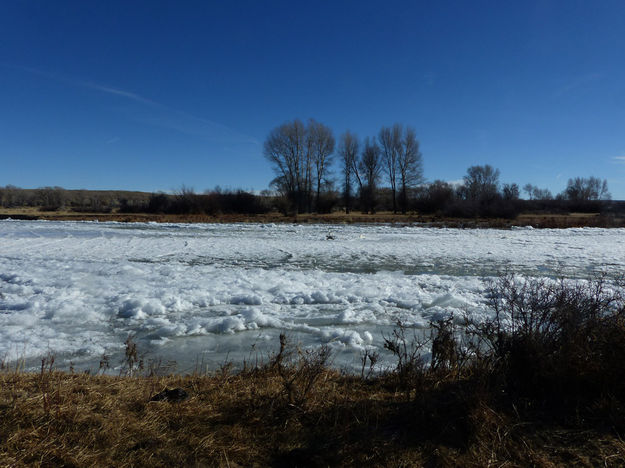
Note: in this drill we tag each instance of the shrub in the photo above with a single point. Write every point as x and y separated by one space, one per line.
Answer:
554 345
159 203
409 352
435 197
552 348
299 370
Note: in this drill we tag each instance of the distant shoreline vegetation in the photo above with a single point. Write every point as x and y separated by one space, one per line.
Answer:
435 200
385 172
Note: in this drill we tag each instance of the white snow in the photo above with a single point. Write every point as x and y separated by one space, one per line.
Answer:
217 292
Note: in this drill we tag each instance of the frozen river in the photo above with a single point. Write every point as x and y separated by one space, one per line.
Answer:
213 292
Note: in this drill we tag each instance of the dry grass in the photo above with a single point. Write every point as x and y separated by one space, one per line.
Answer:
536 220
249 419
80 420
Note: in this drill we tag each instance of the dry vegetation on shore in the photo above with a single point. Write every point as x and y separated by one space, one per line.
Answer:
541 383
535 220
59 419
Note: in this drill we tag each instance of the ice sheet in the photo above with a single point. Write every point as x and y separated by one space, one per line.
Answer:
204 293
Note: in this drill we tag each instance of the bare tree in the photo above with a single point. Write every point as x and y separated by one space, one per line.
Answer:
409 165
584 189
536 193
321 144
390 143
348 152
542 194
529 189
300 155
510 192
356 172
284 148
371 167
481 182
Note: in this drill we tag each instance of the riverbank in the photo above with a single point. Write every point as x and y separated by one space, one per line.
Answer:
247 419
536 220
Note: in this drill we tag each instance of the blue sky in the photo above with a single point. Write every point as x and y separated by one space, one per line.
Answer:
153 95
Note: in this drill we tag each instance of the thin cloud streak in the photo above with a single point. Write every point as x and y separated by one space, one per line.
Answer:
80 83
576 83
169 118
189 124
116 92
618 159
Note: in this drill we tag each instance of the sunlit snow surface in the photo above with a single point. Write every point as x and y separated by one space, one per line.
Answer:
204 294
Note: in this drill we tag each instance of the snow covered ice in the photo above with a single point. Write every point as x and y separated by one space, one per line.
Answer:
207 293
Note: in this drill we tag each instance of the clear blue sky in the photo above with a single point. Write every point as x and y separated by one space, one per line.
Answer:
153 95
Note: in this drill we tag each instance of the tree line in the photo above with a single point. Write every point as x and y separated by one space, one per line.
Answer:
302 156
58 198
183 201
385 172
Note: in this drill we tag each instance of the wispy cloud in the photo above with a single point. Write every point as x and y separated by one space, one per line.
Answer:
155 113
183 122
115 92
618 159
577 82
80 83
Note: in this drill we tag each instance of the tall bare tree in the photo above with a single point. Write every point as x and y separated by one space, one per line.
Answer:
300 155
348 152
409 164
356 172
321 144
402 161
285 148
370 166
390 143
